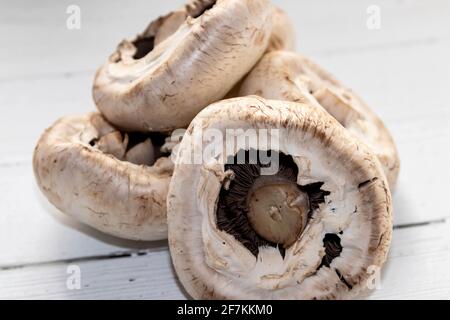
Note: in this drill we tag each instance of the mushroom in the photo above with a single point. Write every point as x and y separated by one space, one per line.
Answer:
308 224
113 181
289 76
181 63
283 32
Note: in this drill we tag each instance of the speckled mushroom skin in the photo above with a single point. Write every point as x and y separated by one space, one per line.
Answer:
196 65
211 264
290 76
283 35
113 196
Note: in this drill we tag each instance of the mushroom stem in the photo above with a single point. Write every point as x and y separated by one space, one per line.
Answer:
278 212
142 154
114 144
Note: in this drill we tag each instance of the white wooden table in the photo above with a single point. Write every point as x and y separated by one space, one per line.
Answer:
46 71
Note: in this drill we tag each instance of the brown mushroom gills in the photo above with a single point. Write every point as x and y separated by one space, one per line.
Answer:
266 210
162 28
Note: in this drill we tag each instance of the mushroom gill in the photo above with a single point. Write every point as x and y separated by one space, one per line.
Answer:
266 210
143 44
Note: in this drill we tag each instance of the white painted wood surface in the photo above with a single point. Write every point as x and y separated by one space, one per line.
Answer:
46 72
417 268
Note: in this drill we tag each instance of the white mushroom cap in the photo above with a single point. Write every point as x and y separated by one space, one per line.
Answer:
289 76
283 37
97 188
283 32
163 78
355 213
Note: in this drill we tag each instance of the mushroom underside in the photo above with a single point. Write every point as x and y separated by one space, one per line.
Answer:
114 181
163 27
309 231
252 199
133 147
234 209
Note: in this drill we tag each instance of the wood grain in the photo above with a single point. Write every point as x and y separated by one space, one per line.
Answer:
401 70
417 269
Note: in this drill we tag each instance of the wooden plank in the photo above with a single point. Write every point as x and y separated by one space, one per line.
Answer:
418 264
32 231
335 28
385 79
138 277
323 27
50 47
394 82
50 75
418 119
40 233
417 269
31 105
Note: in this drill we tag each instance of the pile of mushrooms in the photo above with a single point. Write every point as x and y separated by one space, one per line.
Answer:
302 211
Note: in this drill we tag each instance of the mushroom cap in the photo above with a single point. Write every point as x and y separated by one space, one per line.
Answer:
196 65
114 196
283 32
290 76
212 264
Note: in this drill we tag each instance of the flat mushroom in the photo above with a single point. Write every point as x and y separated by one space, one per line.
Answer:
113 181
181 63
308 224
282 38
290 76
283 32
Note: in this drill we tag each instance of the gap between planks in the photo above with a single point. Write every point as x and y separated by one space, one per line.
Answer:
139 253
422 250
